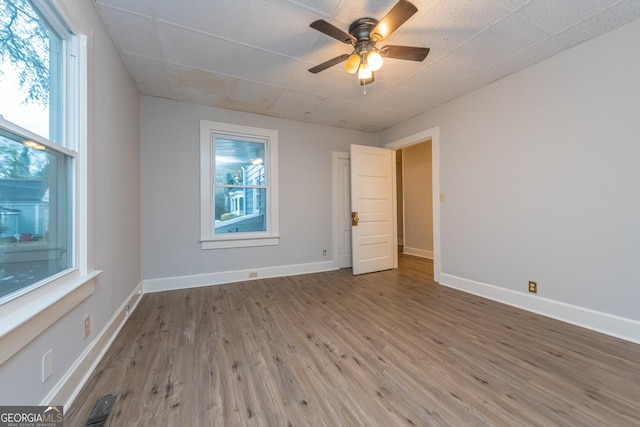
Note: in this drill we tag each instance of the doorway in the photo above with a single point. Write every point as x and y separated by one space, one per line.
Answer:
340 205
415 200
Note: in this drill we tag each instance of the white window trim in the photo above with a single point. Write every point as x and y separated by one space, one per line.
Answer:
25 315
208 239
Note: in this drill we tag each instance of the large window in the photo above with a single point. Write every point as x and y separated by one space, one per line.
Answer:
238 185
39 146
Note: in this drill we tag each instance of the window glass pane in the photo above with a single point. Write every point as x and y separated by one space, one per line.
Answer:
240 193
35 213
240 210
238 162
30 70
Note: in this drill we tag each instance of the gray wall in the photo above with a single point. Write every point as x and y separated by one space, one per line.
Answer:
114 215
171 190
541 172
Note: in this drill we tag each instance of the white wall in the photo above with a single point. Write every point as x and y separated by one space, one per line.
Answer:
171 192
541 174
114 217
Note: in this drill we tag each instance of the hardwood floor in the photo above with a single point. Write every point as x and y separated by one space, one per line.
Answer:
383 349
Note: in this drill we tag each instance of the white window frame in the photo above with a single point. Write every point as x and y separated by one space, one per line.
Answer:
26 314
208 238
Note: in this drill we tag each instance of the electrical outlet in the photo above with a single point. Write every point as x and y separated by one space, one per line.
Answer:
87 326
47 365
253 275
533 287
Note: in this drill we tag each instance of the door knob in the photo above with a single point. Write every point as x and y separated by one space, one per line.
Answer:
354 218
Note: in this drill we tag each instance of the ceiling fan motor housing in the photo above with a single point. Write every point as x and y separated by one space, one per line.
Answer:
361 28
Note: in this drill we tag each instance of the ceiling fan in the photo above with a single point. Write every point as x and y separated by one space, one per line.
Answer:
363 35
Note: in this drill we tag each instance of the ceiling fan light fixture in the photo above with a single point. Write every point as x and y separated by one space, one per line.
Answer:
352 64
364 72
374 60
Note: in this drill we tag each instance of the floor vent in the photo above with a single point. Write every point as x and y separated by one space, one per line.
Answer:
101 413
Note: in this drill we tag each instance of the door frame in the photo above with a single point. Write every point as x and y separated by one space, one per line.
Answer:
337 205
434 135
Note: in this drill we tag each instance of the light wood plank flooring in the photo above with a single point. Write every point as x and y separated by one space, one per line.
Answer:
383 349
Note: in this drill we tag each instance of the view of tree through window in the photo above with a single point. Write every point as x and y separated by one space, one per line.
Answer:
29 54
35 201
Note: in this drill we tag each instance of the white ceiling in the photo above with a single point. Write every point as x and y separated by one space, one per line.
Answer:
253 55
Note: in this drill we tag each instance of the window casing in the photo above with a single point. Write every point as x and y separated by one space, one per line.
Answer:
43 169
238 186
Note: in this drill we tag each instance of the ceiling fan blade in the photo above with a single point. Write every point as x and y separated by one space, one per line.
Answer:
405 52
332 31
329 63
398 15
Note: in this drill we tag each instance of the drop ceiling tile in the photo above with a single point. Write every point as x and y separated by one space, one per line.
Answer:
195 80
132 33
506 38
554 16
231 104
146 70
325 7
199 98
364 127
402 100
440 75
450 23
295 102
323 120
195 49
325 48
466 86
510 5
139 6
224 19
263 66
156 90
280 27
613 17
543 50
377 116
337 108
248 92
396 71
349 11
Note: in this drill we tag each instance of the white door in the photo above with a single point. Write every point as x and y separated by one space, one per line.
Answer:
373 207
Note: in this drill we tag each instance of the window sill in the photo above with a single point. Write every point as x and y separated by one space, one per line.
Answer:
240 243
24 318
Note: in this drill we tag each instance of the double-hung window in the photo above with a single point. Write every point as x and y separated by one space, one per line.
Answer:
42 138
239 191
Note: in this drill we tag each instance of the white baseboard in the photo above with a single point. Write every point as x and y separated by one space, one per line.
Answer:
224 277
417 252
616 326
66 390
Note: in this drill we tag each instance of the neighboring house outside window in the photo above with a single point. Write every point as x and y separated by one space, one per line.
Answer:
239 190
